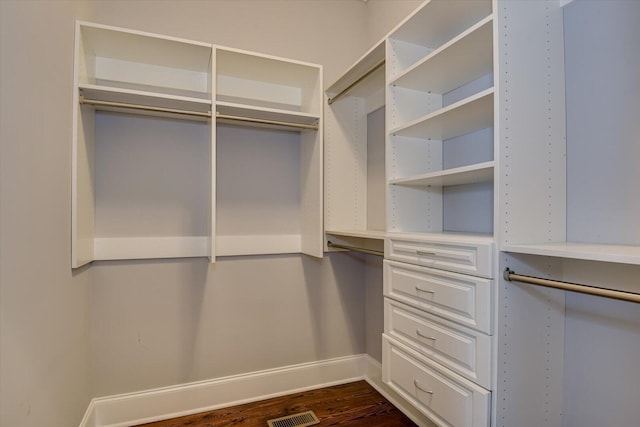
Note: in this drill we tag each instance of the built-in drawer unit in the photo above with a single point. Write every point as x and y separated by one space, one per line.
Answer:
460 349
469 256
445 397
457 297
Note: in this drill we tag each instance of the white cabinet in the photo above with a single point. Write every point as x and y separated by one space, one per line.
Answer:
147 149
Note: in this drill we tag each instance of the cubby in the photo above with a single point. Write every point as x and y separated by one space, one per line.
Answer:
166 128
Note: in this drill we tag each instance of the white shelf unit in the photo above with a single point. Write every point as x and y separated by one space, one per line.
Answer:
568 210
130 71
269 177
146 140
440 143
355 154
583 201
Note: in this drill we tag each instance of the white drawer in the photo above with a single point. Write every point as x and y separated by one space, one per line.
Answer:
443 396
460 349
457 297
472 257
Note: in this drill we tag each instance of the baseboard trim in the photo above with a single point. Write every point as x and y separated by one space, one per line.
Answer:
186 399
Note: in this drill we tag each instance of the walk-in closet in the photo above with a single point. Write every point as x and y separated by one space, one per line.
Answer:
213 203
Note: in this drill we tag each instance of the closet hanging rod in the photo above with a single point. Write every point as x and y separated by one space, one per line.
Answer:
509 275
355 249
358 80
265 122
99 103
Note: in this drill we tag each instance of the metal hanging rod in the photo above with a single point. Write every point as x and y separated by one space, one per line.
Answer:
355 249
358 80
509 275
99 103
265 122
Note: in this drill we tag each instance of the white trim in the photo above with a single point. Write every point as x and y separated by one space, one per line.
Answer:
185 399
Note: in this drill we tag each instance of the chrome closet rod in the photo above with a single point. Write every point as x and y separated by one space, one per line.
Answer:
265 122
143 107
358 80
355 249
509 275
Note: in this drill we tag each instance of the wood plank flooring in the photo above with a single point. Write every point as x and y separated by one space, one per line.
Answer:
353 404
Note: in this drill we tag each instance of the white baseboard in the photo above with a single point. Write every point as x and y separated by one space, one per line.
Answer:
185 399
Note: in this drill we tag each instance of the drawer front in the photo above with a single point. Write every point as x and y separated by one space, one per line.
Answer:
457 297
446 398
463 350
467 258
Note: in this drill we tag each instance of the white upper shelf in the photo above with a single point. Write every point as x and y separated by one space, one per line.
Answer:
364 65
468 115
267 114
480 172
144 98
461 60
623 254
439 21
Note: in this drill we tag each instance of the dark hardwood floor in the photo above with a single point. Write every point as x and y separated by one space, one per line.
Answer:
353 404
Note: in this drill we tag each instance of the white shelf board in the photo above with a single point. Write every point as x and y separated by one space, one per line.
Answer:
139 97
461 60
264 113
623 254
481 172
372 83
110 248
466 116
227 245
364 234
438 21
444 237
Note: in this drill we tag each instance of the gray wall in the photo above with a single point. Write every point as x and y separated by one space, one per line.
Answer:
126 326
44 318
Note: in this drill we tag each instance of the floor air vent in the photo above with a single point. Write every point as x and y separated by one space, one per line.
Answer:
295 420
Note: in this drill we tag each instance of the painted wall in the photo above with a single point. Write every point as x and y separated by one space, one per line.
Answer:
44 318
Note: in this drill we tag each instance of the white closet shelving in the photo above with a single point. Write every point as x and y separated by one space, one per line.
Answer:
276 96
355 154
583 204
166 207
127 71
440 98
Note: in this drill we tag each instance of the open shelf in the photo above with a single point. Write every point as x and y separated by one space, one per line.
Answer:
352 82
461 60
365 234
624 254
266 114
430 27
466 116
266 81
129 100
481 172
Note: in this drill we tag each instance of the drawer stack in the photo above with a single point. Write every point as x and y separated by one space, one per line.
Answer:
438 325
